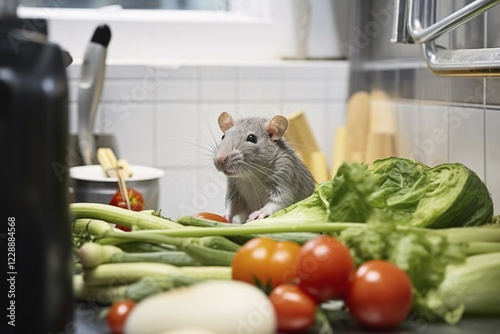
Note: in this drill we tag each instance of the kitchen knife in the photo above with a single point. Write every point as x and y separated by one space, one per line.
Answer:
89 91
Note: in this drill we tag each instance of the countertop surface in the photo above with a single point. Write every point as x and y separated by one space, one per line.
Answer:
87 322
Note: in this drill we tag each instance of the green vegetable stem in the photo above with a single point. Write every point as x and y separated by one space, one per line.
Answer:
176 258
145 287
126 273
123 217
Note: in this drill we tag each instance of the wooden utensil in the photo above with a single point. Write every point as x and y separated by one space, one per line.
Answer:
339 146
357 125
115 168
300 136
382 127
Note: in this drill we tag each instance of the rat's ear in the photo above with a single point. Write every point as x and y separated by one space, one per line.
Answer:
225 121
276 127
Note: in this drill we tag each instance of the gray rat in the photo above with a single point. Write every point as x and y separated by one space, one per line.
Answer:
264 174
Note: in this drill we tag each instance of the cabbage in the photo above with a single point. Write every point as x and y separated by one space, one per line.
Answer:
411 193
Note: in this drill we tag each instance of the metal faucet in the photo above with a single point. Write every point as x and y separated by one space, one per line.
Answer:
415 22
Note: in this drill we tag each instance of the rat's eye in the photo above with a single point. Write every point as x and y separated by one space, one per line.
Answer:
223 137
252 138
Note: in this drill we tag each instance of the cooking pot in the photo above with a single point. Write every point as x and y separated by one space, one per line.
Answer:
91 185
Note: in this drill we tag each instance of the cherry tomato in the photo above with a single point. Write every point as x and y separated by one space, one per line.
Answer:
294 308
135 198
123 228
265 262
211 216
136 203
380 296
118 314
325 268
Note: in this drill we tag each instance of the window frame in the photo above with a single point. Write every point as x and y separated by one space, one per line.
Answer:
252 29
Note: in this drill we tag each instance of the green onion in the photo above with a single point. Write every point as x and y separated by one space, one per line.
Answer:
92 254
126 273
176 258
123 217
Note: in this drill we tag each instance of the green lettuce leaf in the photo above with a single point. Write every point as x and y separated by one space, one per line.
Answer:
410 193
349 201
424 257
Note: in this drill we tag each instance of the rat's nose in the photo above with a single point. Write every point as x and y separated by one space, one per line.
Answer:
222 160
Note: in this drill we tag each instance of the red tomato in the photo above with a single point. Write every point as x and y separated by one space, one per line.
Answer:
118 314
136 203
294 308
380 296
135 198
123 228
325 268
211 216
265 262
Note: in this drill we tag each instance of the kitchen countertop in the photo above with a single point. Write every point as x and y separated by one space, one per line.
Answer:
86 322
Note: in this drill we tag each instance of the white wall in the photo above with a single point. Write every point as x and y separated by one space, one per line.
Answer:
436 133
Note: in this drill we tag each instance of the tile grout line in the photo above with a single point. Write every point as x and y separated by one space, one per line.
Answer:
485 41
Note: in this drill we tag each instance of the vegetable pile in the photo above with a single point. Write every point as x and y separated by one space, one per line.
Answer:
386 239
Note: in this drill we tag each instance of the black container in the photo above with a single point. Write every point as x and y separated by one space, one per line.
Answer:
35 235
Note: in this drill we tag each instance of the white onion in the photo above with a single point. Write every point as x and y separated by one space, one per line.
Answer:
219 306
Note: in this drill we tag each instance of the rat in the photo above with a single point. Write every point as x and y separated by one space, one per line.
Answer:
264 174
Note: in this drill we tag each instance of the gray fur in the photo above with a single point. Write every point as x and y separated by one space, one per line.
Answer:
267 174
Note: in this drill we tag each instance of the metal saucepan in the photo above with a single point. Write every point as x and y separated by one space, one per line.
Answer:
89 184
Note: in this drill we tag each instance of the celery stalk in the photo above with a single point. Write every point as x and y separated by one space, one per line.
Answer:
481 247
472 287
468 234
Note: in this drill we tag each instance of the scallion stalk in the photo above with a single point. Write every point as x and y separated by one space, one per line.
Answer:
124 217
126 273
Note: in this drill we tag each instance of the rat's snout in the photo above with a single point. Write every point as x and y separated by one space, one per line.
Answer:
222 159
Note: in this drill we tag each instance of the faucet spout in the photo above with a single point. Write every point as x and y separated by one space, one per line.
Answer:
421 34
415 22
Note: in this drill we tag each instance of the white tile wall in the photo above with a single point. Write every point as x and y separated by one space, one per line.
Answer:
466 126
260 89
176 129
492 155
135 142
438 133
165 115
432 145
178 90
407 129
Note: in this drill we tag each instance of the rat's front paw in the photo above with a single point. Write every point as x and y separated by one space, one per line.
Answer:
259 214
266 211
228 216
